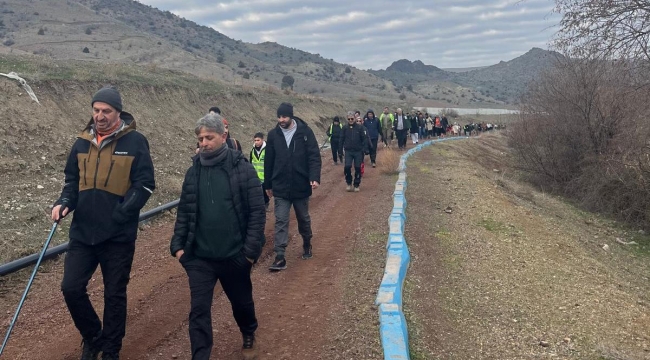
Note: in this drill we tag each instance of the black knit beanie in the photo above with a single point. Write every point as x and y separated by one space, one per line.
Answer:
336 119
110 96
285 109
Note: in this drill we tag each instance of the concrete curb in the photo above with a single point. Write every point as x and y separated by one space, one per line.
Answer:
392 323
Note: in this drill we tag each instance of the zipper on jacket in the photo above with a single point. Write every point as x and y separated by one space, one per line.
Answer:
96 171
110 169
85 179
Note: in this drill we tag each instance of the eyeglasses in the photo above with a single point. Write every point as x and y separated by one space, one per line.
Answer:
351 119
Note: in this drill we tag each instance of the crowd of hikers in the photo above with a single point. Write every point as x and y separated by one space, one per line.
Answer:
224 203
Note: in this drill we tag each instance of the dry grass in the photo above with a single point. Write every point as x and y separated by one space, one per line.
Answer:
388 161
510 277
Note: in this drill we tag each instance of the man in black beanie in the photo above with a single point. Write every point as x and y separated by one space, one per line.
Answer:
108 178
291 171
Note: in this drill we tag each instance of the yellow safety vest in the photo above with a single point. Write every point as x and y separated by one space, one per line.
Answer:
258 163
331 128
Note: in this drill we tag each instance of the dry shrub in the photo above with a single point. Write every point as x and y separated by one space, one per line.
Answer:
388 161
584 133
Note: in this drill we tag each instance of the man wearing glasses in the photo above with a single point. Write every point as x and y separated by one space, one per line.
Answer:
354 142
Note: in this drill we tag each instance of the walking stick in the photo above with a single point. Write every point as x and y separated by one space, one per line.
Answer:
325 143
29 284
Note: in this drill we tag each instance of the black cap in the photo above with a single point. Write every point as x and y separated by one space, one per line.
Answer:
215 110
110 96
336 119
285 109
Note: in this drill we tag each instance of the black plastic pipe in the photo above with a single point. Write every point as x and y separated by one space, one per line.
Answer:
21 263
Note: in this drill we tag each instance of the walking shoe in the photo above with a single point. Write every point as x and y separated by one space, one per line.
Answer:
279 264
356 189
306 252
90 350
373 164
110 356
248 349
348 188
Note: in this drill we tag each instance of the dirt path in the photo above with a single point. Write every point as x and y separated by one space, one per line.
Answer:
299 309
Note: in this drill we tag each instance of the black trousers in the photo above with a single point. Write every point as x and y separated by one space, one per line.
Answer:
114 259
401 138
355 157
337 151
372 147
235 276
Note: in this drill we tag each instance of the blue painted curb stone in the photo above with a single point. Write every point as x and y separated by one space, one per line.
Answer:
392 323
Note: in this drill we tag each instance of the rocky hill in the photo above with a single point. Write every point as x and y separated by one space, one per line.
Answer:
501 83
128 32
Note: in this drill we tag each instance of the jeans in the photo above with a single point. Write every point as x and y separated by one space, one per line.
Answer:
114 259
281 209
203 274
355 157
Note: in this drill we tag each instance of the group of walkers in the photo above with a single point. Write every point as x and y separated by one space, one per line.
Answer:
219 229
360 136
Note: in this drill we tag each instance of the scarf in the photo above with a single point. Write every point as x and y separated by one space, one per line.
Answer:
214 157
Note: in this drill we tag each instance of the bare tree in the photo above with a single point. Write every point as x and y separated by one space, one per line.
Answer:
618 29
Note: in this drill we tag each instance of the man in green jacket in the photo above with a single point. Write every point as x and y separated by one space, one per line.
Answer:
386 120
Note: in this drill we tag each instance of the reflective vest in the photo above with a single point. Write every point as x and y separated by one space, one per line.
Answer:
331 128
391 119
258 163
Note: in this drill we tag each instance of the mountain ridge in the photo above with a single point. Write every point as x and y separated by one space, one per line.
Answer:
126 31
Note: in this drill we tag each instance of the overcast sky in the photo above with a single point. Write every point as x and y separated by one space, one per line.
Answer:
372 34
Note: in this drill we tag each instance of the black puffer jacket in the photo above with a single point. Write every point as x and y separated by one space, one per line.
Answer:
248 202
289 171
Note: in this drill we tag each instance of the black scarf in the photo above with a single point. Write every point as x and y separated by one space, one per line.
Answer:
214 157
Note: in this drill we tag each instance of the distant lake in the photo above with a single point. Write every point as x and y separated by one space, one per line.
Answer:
467 111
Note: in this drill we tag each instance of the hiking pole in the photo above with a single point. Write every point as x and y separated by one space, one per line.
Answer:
325 143
29 284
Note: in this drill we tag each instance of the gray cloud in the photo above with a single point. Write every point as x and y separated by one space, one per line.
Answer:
446 33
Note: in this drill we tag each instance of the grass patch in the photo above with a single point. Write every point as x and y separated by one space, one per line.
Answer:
388 161
375 237
492 225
